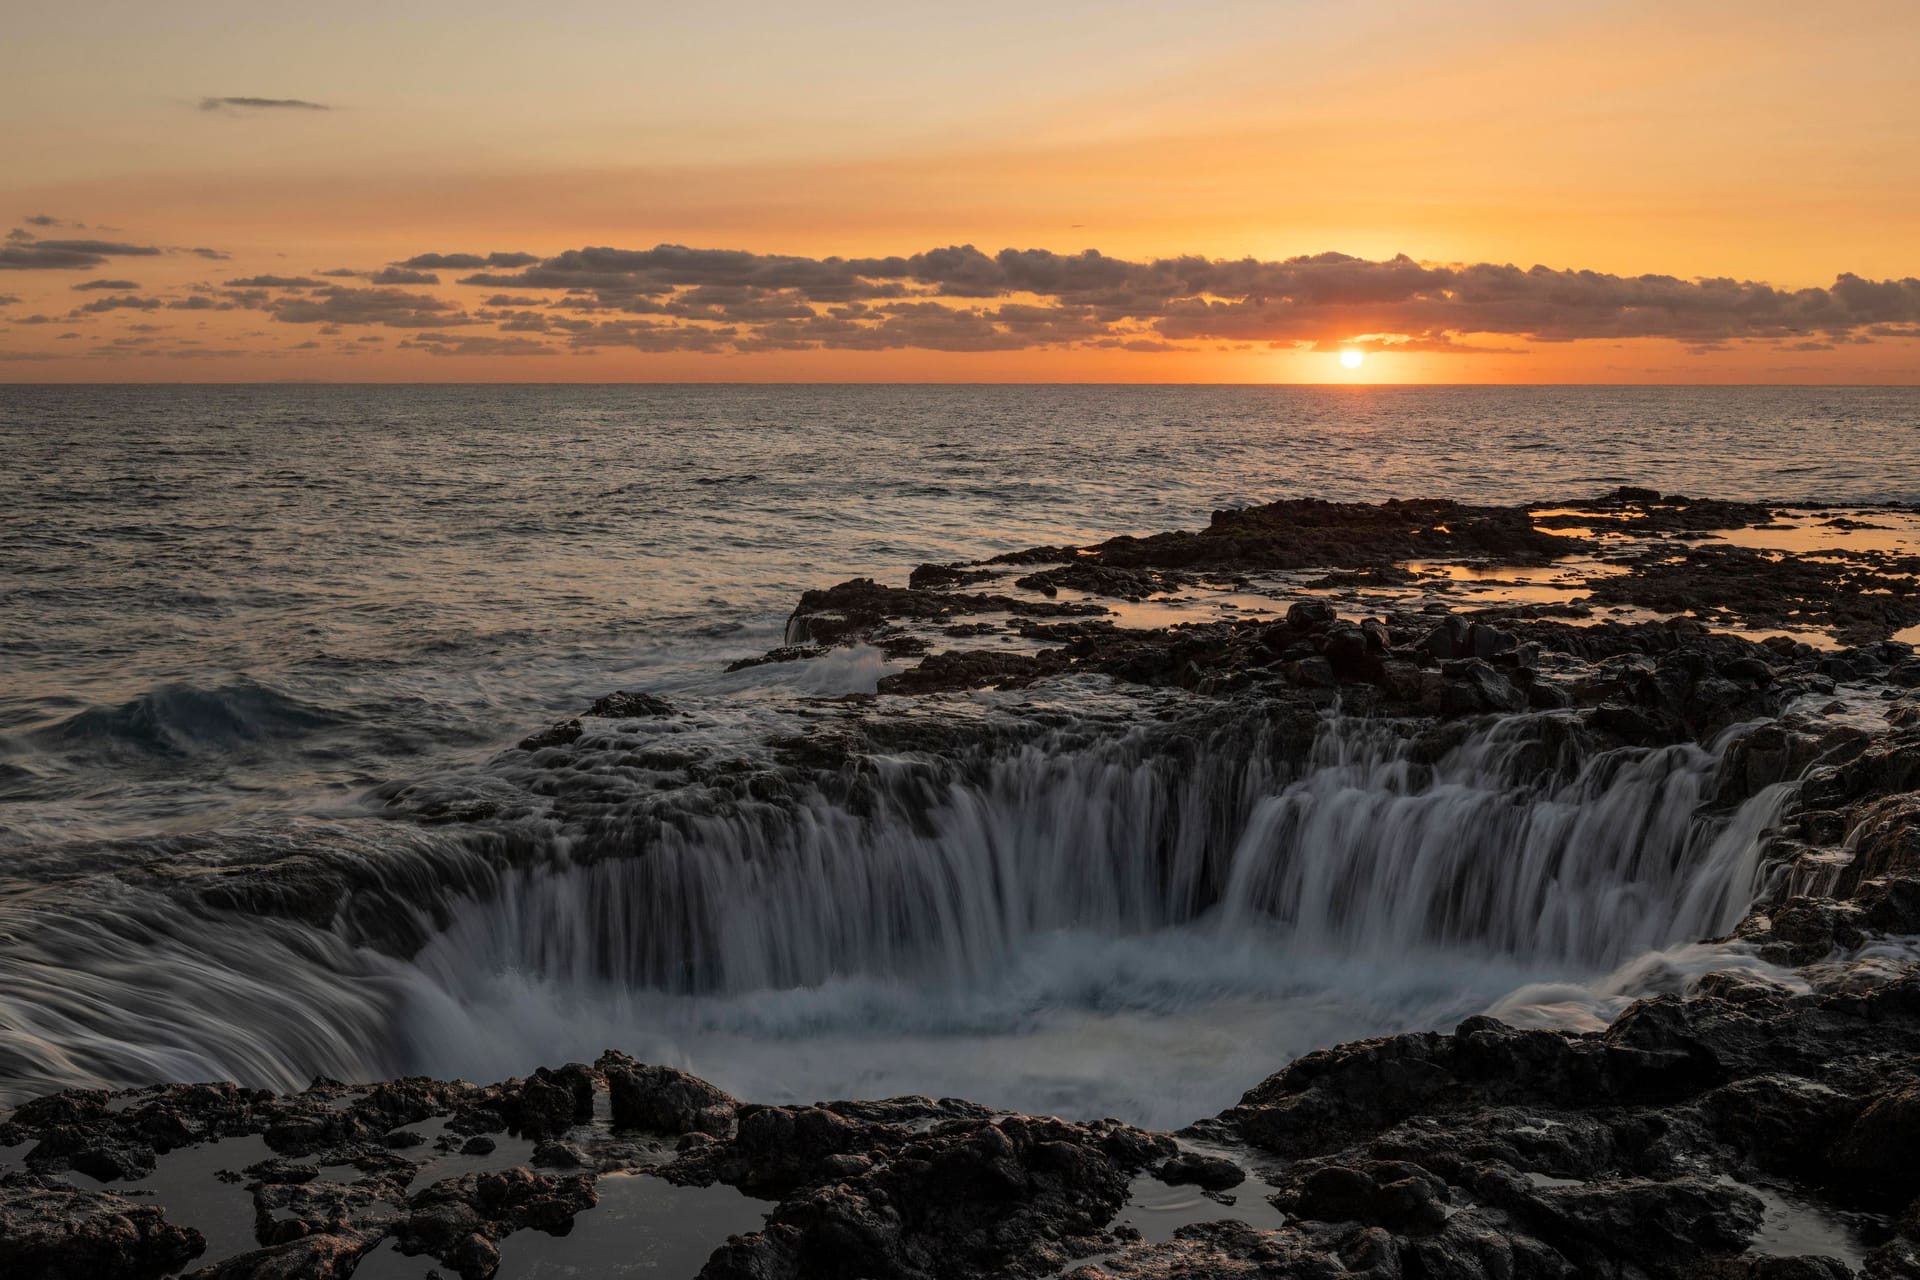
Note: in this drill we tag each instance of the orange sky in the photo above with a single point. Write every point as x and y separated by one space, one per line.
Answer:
1763 144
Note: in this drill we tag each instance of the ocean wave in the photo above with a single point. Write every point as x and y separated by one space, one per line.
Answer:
185 719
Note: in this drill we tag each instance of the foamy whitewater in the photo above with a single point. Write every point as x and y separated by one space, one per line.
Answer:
249 623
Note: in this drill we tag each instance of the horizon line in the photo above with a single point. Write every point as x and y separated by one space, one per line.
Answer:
866 382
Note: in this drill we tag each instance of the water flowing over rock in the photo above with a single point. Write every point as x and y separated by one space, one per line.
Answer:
1612 921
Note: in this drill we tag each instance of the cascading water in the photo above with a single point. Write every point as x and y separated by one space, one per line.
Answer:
1137 925
1114 897
1571 860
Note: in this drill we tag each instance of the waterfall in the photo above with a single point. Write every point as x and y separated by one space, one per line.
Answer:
1370 852
1515 842
1041 887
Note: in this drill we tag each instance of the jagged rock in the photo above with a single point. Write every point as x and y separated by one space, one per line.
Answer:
1864 597
785 653
559 1155
1103 580
1309 533
1877 1150
663 1100
1403 1198
52 1230
1210 1173
314 1257
853 610
1472 687
630 706
458 1220
1653 1223
551 1102
970 669
968 1198
1308 615
559 735
928 576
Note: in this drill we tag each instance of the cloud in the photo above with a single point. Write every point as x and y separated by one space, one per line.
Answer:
448 344
933 300
213 254
108 284
468 261
958 298
120 302
23 252
648 335
235 105
343 304
8 299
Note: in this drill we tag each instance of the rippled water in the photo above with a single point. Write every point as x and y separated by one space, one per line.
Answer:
242 609
224 599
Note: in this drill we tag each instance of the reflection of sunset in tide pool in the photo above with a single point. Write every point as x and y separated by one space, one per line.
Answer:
1874 529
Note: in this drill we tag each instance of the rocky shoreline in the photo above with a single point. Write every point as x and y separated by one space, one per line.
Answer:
1758 1124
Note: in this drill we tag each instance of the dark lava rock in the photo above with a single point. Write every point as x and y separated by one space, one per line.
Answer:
548 1103
1471 687
972 669
325 1256
559 1155
1310 615
1401 1197
459 1220
853 611
1863 597
1634 510
785 653
1016 1196
928 576
1878 1150
53 1230
630 706
1653 1223
1461 637
1104 580
1308 533
559 735
663 1100
1209 1173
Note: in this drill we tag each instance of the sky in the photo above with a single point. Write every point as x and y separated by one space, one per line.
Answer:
1480 191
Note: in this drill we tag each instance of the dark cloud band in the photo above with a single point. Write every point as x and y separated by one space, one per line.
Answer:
261 104
958 298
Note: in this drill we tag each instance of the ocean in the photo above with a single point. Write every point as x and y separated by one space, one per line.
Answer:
246 620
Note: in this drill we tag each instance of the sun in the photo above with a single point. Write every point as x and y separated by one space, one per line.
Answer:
1351 359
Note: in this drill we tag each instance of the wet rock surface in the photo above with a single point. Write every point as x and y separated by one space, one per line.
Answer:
1310 533
53 1229
1657 1148
1404 654
1860 596
1758 1124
